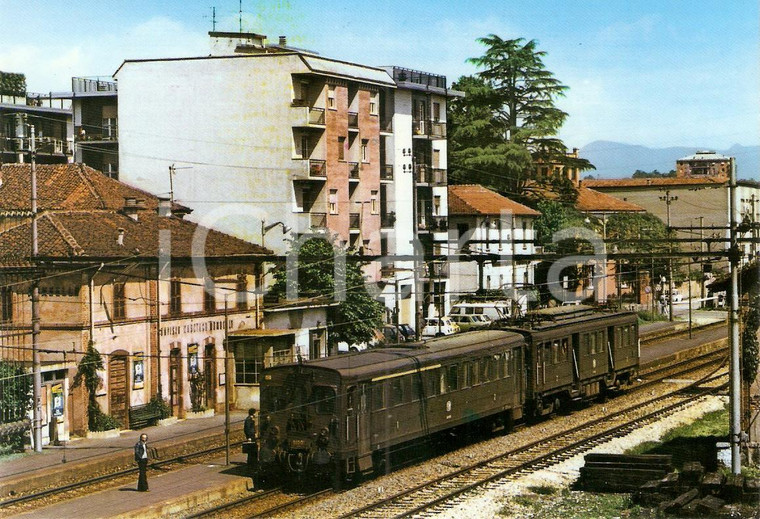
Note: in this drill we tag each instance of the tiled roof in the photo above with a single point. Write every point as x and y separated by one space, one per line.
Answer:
70 187
471 199
652 182
95 234
590 200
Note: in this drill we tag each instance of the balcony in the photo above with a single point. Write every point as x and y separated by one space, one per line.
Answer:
53 146
439 223
424 174
386 271
424 222
353 121
386 172
430 129
90 85
105 134
353 171
311 169
318 221
354 221
312 117
387 220
386 125
438 176
437 269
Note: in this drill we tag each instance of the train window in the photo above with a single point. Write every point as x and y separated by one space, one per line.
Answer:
487 369
417 387
396 391
601 341
548 353
591 339
323 398
363 399
273 398
442 381
351 398
452 377
504 365
539 357
378 396
555 352
563 354
474 373
466 374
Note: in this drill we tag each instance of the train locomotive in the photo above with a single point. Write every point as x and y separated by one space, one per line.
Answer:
337 417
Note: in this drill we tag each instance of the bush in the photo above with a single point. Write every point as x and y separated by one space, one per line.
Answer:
160 407
100 421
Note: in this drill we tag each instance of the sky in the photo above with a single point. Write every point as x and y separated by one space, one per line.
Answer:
655 73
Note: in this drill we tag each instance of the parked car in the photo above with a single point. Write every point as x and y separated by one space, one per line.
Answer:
471 322
677 296
407 331
344 347
435 327
494 310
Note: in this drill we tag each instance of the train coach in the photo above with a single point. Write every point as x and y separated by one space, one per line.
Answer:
338 416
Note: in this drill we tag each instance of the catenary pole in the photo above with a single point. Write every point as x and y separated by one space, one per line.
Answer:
36 363
734 368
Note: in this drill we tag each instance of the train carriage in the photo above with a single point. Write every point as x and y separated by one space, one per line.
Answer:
576 354
360 405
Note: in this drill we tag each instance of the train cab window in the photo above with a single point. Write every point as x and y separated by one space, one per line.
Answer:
548 354
273 398
452 378
555 352
378 396
418 390
565 350
351 398
505 364
474 373
323 398
487 369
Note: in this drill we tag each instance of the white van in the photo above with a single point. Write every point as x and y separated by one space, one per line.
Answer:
494 310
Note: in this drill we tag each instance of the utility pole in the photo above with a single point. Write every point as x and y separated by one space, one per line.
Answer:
669 200
702 260
734 365
36 363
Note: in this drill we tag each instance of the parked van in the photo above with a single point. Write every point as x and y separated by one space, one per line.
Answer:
494 310
435 327
471 321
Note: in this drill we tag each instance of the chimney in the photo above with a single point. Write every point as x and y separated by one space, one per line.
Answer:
120 238
132 205
283 41
164 207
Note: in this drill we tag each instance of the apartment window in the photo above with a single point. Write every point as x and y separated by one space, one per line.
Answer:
109 127
341 148
365 151
6 301
373 104
331 97
373 205
436 112
249 361
305 152
436 205
525 235
209 296
241 287
119 301
175 297
332 201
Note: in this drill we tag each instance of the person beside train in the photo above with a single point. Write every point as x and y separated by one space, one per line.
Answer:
249 431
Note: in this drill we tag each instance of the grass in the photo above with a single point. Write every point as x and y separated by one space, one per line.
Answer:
572 505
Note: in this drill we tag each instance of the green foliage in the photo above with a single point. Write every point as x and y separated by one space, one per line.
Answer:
750 350
630 232
160 407
646 316
554 217
507 119
197 392
358 315
12 84
87 375
653 174
15 392
99 421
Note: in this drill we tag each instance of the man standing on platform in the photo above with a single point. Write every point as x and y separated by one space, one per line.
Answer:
141 458
249 430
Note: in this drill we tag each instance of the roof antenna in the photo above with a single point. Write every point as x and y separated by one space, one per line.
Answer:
240 15
213 19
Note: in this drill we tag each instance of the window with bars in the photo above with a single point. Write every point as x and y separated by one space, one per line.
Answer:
6 302
249 361
175 297
119 301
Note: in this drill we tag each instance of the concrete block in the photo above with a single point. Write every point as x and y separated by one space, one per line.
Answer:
710 506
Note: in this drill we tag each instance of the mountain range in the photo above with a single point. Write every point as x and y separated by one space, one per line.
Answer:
619 160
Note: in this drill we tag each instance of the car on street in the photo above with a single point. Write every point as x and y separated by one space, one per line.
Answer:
471 322
436 327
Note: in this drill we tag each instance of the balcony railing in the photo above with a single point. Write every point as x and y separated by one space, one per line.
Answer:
427 175
432 129
106 133
353 171
386 271
317 168
438 269
387 220
353 120
439 224
424 221
316 116
354 221
299 102
438 176
416 76
386 172
86 84
318 220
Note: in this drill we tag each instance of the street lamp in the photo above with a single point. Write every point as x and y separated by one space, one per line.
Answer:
266 228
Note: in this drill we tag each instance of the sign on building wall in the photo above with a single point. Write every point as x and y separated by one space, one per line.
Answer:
57 394
138 372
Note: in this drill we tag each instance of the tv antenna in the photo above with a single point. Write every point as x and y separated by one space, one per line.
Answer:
173 169
240 15
213 19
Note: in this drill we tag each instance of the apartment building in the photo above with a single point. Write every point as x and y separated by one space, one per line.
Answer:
21 110
94 105
256 134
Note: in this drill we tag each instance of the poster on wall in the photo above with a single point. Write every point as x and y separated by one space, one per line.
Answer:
57 394
192 359
138 372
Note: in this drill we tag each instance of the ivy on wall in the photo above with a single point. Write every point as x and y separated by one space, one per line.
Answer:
12 84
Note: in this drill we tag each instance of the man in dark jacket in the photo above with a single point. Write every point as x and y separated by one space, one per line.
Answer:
249 430
141 458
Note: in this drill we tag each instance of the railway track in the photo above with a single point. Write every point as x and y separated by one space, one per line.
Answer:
430 497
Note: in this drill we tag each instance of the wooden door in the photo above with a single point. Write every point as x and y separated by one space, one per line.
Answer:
118 389
175 381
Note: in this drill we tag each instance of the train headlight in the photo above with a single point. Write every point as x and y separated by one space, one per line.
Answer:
298 444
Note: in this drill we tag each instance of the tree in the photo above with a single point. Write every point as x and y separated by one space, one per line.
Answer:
554 217
750 348
87 375
653 174
507 119
358 315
